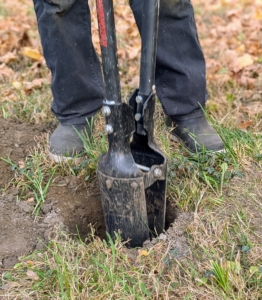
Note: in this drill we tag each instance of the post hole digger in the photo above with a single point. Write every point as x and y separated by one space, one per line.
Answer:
132 174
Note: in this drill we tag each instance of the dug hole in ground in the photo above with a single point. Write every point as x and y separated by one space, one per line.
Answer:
69 203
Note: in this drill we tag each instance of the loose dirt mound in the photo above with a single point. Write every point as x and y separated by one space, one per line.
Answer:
69 203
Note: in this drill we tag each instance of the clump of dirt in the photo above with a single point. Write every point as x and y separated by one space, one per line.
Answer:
19 233
69 204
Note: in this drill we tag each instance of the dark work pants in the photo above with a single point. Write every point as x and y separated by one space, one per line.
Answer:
77 84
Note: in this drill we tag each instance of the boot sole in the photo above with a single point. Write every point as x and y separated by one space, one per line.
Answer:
61 159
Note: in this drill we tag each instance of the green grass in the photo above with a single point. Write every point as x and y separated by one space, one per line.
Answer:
3 11
74 269
33 178
224 261
95 145
34 175
34 107
225 257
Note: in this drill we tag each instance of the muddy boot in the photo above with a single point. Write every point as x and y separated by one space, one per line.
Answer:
65 143
195 133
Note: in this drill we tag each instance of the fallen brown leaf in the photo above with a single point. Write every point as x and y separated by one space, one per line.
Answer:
32 53
9 57
245 125
31 274
242 62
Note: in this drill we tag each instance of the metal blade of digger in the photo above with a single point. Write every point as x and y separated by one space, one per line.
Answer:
121 181
144 149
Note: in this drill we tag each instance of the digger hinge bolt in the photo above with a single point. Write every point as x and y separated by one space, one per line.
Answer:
139 99
157 173
109 129
106 111
138 117
154 89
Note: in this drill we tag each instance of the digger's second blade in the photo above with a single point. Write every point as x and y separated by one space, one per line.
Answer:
146 153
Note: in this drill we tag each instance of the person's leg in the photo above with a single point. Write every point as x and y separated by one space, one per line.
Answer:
180 64
77 84
180 73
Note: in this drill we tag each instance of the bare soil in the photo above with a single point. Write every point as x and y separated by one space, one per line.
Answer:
70 203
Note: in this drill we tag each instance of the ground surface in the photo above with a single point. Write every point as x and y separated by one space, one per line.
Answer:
68 204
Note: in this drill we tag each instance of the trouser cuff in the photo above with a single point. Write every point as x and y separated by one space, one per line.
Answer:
194 115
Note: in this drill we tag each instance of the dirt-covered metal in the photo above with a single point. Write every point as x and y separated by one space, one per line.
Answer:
132 174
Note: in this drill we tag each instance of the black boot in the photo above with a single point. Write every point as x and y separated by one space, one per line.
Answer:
195 133
65 142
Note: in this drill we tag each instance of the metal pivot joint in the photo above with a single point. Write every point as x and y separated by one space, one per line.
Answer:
132 174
